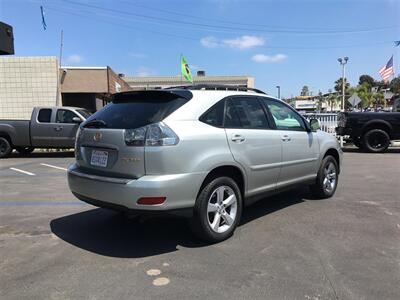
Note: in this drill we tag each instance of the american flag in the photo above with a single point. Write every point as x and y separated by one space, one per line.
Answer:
387 70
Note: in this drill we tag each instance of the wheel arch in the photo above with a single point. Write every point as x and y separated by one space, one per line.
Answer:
377 124
231 171
335 154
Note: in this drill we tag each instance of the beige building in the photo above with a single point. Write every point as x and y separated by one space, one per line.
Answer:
89 87
140 83
26 82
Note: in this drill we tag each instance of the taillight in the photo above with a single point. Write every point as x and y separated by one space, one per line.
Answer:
157 134
135 137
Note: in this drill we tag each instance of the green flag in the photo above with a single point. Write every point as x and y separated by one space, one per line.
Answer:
185 70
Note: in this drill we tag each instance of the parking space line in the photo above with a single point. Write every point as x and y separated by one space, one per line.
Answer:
54 167
22 171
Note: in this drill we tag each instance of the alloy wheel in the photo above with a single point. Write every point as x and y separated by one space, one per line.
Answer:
330 177
222 209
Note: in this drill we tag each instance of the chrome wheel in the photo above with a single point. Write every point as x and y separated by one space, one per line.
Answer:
330 178
222 209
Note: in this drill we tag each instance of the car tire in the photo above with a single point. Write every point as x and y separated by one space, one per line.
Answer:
5 147
327 178
24 150
217 211
376 140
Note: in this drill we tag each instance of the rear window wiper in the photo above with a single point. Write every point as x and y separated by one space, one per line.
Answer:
95 124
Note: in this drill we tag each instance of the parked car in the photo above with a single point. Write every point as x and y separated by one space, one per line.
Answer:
49 127
199 153
370 131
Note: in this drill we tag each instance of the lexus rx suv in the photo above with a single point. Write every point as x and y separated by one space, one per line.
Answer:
201 152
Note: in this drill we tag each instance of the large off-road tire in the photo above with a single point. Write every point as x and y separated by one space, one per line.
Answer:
327 178
24 150
5 147
217 211
375 140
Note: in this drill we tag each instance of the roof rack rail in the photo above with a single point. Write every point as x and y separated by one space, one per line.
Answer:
216 87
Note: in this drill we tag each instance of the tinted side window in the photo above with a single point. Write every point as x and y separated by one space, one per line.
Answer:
231 117
284 117
44 115
65 116
249 112
215 115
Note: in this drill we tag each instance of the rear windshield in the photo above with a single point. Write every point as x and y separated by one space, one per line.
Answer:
135 113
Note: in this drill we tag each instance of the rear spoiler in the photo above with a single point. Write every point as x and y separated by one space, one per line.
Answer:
151 95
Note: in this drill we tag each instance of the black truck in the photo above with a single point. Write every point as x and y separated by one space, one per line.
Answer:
370 131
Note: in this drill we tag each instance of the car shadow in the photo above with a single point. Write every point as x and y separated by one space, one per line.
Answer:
357 150
111 234
44 154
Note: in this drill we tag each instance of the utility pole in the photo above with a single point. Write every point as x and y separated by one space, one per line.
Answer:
343 61
279 91
58 96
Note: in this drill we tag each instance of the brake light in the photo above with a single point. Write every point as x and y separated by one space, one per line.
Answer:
151 200
157 134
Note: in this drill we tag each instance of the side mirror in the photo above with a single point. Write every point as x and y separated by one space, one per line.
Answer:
77 120
315 124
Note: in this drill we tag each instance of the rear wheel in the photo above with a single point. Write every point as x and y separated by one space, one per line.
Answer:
5 147
24 150
376 140
327 178
217 210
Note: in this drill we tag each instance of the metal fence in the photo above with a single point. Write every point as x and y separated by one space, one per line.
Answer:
328 121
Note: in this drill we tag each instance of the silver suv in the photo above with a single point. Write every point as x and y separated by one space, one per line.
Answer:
199 152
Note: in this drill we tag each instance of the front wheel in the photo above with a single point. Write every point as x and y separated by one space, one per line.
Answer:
327 178
217 210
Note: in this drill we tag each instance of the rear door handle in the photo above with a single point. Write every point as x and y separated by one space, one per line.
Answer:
286 138
58 128
238 138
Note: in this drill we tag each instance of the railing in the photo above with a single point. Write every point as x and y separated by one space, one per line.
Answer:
328 121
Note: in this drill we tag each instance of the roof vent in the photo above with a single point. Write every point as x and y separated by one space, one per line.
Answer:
201 73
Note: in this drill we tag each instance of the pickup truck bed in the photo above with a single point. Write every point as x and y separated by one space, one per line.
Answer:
49 127
370 131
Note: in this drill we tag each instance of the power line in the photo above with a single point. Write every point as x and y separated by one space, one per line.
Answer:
266 27
209 26
90 15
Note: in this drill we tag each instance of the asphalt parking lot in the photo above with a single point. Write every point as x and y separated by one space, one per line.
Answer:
52 246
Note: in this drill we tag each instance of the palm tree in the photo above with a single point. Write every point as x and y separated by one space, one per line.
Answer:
339 85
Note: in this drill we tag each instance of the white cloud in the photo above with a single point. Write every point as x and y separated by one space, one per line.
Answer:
245 42
242 42
74 59
144 72
209 42
262 58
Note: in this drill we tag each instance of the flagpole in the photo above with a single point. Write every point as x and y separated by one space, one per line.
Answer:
58 70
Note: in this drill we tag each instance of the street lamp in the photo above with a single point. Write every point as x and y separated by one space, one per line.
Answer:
279 91
343 61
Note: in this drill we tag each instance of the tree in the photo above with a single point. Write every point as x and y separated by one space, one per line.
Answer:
339 85
332 100
305 91
395 85
367 80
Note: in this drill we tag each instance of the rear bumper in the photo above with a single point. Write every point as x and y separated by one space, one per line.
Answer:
180 190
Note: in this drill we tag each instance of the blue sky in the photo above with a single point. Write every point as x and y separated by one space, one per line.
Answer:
286 43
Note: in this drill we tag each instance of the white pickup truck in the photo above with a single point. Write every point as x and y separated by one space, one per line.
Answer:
49 127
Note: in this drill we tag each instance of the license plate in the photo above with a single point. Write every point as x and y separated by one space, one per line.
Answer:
99 158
